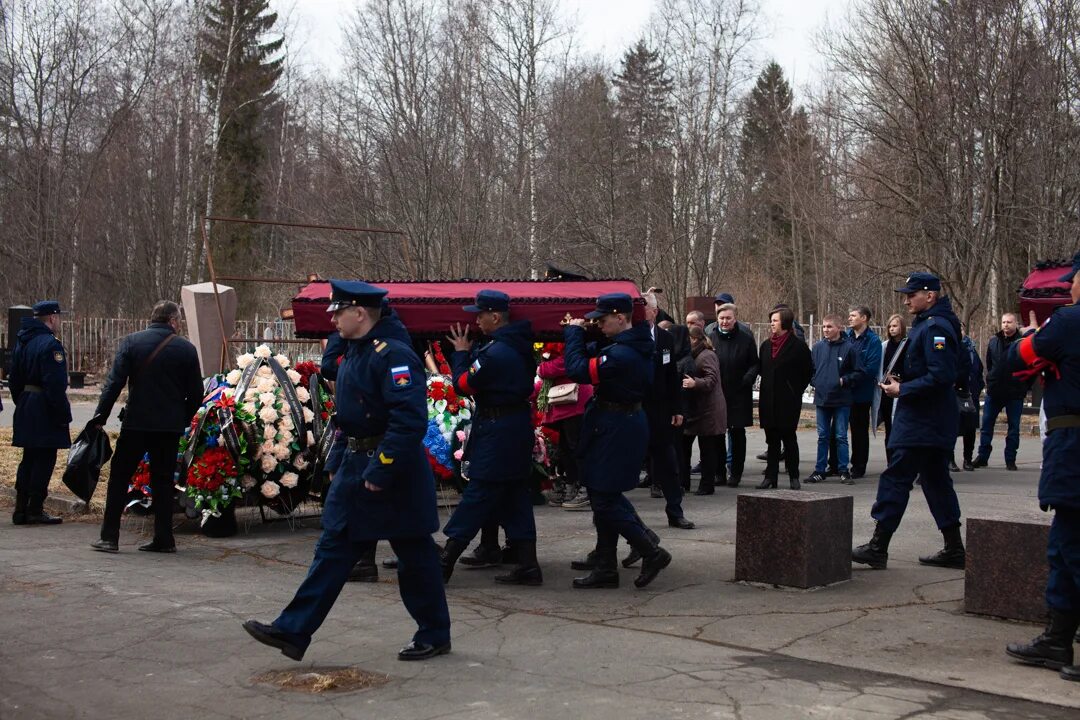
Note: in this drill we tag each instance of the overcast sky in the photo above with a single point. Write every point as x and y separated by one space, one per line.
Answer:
605 27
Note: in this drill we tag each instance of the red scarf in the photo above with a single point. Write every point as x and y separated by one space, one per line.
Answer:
778 342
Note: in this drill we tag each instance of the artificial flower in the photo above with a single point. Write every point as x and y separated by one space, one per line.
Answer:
269 489
244 360
293 376
265 372
290 480
265 385
308 415
268 414
269 432
234 377
247 482
282 360
249 408
268 463
263 351
267 398
302 395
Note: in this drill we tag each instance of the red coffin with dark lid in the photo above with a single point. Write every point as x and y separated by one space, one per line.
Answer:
430 307
1042 291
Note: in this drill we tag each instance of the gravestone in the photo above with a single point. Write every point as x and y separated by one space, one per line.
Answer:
204 324
793 538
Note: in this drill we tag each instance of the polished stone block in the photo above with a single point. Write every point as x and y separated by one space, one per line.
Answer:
1006 567
204 323
794 538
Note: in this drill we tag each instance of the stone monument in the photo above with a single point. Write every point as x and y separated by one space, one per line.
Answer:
204 323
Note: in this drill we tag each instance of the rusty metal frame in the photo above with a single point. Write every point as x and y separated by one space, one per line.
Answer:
223 358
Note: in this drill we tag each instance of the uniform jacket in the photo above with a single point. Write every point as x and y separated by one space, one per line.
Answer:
555 371
1000 383
613 442
926 413
162 396
706 411
38 384
1057 341
868 346
837 371
737 354
382 390
499 372
332 356
664 398
783 382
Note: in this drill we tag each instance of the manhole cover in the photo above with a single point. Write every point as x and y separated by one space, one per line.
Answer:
319 680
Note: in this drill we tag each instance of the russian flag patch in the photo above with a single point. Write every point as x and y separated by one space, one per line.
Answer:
401 376
939 342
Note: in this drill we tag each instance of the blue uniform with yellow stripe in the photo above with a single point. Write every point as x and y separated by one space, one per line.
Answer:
1055 351
925 422
499 374
381 400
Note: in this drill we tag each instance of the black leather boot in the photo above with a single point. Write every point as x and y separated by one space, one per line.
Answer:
793 481
365 569
449 555
482 556
654 559
876 552
36 515
1054 648
767 483
950 556
18 517
632 559
527 571
605 571
586 563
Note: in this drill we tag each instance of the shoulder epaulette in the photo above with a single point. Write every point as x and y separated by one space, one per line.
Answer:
380 345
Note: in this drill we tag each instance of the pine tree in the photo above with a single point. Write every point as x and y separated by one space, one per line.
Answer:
644 100
240 69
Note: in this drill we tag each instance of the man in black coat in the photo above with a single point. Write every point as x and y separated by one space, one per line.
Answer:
738 355
1003 392
663 407
165 389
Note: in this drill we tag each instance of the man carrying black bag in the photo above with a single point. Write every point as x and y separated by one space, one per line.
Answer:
165 389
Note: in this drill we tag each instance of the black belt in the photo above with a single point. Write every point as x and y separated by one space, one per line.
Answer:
364 444
623 407
497 411
33 388
1062 421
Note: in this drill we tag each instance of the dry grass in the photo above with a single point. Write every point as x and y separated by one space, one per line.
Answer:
9 463
319 680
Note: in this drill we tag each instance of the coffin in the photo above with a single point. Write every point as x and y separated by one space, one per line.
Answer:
1042 292
429 308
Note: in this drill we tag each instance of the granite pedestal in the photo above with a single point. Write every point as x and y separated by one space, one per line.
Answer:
1006 568
204 324
794 538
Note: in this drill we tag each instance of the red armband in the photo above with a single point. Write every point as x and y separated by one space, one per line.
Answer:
1027 350
594 370
463 383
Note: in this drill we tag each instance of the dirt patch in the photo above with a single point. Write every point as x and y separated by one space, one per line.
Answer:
320 680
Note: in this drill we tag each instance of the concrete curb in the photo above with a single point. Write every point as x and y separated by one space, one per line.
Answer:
54 503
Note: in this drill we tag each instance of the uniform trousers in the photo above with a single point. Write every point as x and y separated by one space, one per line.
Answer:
32 477
1063 553
130 448
419 581
664 471
931 465
509 503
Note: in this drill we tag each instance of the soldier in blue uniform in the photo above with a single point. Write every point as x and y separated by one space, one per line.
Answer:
614 434
498 373
924 427
383 489
38 384
1054 351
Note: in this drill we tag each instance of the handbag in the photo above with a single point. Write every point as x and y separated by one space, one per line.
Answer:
564 394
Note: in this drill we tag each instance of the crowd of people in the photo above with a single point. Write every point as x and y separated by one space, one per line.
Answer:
633 396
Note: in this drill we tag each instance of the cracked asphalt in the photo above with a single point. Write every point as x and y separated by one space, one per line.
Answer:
88 635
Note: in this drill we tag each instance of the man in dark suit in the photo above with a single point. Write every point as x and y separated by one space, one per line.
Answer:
165 389
384 488
663 407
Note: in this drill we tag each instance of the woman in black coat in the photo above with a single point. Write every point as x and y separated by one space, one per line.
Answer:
786 369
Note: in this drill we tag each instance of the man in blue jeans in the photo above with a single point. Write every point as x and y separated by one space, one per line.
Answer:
1003 392
837 369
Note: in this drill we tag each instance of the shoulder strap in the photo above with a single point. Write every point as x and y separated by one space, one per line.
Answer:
160 346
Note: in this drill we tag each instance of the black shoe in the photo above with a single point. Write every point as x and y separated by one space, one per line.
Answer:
846 479
632 559
832 472
733 480
762 456
421 651
655 491
793 481
1070 672
706 490
364 573
269 635
950 556
767 484
588 563
597 579
43 519
449 555
953 467
681 523
1053 648
968 466
522 575
980 462
815 478
857 474
696 470
108 546
390 563
652 566
874 553
18 518
481 557
1011 466
156 547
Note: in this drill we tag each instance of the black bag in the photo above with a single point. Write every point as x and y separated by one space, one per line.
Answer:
90 451
969 413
